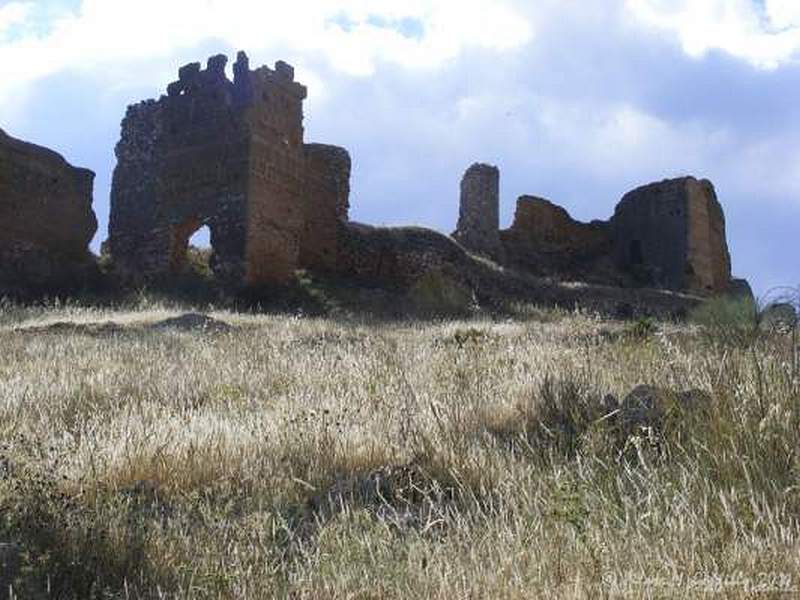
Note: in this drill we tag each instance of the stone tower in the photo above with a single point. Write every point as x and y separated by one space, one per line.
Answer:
228 155
479 214
672 234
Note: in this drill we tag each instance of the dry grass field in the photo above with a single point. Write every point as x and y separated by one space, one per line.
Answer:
341 458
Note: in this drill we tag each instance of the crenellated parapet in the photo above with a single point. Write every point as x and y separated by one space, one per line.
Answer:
230 155
193 79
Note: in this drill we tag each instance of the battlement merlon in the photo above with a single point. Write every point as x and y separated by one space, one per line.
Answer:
191 77
282 76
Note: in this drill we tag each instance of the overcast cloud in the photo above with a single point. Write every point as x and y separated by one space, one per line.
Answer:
575 100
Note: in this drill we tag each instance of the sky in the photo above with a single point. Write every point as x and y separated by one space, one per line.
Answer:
578 101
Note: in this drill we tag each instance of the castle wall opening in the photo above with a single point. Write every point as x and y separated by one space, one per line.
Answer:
636 254
192 250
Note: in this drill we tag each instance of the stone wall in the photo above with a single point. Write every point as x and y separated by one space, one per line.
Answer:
395 256
327 196
47 219
546 239
228 155
275 201
709 260
479 212
666 235
671 234
231 155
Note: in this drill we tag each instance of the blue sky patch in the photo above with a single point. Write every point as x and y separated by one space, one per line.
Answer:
408 27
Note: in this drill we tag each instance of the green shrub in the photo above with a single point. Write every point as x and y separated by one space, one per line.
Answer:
642 329
728 320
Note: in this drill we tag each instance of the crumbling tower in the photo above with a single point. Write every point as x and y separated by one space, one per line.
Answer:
671 234
228 155
479 213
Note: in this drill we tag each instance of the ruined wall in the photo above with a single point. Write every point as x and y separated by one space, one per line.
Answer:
672 234
669 234
182 162
709 261
479 211
275 210
327 196
47 219
546 239
229 155
395 256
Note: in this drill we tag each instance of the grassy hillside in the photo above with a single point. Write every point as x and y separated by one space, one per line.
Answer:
316 458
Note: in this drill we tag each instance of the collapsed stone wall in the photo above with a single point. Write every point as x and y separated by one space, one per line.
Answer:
395 256
669 235
47 217
547 240
228 155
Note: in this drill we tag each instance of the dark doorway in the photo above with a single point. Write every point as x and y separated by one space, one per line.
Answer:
636 254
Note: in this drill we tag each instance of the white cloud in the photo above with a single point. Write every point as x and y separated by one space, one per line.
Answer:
765 34
112 33
783 13
13 14
623 139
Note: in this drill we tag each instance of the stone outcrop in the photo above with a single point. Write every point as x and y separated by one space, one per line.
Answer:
228 155
672 235
479 213
47 219
668 235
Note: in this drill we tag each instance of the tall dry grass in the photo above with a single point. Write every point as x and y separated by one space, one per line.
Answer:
313 458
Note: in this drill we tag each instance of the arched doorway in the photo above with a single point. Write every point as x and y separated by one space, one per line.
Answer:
192 249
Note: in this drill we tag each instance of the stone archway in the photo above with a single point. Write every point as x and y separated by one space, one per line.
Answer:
185 257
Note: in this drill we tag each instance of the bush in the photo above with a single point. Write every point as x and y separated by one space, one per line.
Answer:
728 320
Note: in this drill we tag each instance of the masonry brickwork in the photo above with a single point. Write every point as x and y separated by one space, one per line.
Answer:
545 239
479 216
668 235
228 155
671 234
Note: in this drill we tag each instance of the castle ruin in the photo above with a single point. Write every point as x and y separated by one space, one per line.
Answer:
229 155
666 235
